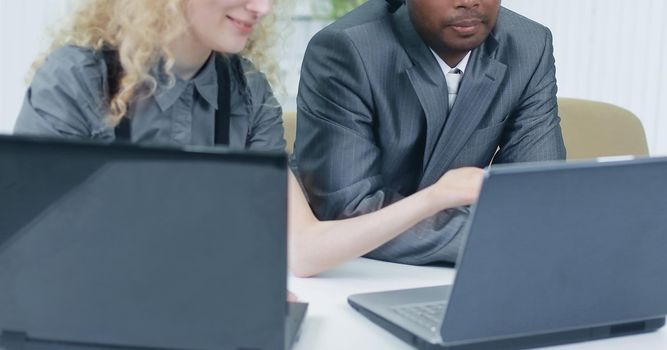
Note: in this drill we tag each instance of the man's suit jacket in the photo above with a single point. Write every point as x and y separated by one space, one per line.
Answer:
374 124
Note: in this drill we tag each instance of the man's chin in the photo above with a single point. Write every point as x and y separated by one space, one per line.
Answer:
465 45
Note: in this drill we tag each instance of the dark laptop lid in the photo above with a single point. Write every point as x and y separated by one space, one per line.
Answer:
143 247
562 246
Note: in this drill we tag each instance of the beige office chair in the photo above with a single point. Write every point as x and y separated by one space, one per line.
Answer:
289 123
594 129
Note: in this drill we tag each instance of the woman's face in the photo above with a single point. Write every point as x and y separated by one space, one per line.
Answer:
225 25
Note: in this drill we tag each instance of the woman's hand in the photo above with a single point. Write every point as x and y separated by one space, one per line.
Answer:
457 188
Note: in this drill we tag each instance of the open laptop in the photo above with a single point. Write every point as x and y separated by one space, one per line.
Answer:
110 246
554 254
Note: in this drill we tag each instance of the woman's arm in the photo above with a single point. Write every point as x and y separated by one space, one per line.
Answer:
315 246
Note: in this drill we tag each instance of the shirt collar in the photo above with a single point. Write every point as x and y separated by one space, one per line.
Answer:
206 83
446 68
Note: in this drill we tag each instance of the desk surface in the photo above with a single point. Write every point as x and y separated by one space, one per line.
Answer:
332 324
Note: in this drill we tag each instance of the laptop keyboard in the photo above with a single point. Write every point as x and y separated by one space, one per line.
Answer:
427 315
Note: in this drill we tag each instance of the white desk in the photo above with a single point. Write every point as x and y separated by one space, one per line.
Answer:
332 324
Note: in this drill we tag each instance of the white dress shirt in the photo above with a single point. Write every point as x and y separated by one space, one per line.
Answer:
453 75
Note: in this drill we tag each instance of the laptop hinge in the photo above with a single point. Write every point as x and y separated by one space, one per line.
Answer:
12 340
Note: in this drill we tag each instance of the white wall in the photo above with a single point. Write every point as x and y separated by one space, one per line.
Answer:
23 35
607 50
613 51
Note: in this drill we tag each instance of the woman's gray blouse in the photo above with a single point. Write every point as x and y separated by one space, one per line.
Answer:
68 93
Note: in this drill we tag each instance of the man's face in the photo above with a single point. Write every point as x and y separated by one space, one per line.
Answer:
454 26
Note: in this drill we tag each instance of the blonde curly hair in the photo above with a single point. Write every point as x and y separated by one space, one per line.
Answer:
141 32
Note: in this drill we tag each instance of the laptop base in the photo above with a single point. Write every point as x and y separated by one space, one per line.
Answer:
296 312
535 341
20 341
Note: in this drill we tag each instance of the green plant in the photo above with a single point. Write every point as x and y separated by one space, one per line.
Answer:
341 7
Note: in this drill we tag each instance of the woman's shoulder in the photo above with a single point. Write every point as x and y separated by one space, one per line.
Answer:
245 72
80 70
74 60
68 88
265 113
255 81
65 95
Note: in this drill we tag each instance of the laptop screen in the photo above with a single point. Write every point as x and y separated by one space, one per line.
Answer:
138 246
562 246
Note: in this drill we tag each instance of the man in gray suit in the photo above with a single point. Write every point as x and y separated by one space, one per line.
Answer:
394 95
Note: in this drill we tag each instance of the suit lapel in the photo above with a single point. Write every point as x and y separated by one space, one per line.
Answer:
447 131
478 89
426 78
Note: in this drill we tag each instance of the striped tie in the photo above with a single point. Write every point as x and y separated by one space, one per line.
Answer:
453 81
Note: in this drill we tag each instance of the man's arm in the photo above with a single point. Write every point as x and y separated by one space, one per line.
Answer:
534 132
337 156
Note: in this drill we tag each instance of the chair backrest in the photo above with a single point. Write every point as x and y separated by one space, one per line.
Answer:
594 129
289 123
590 130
